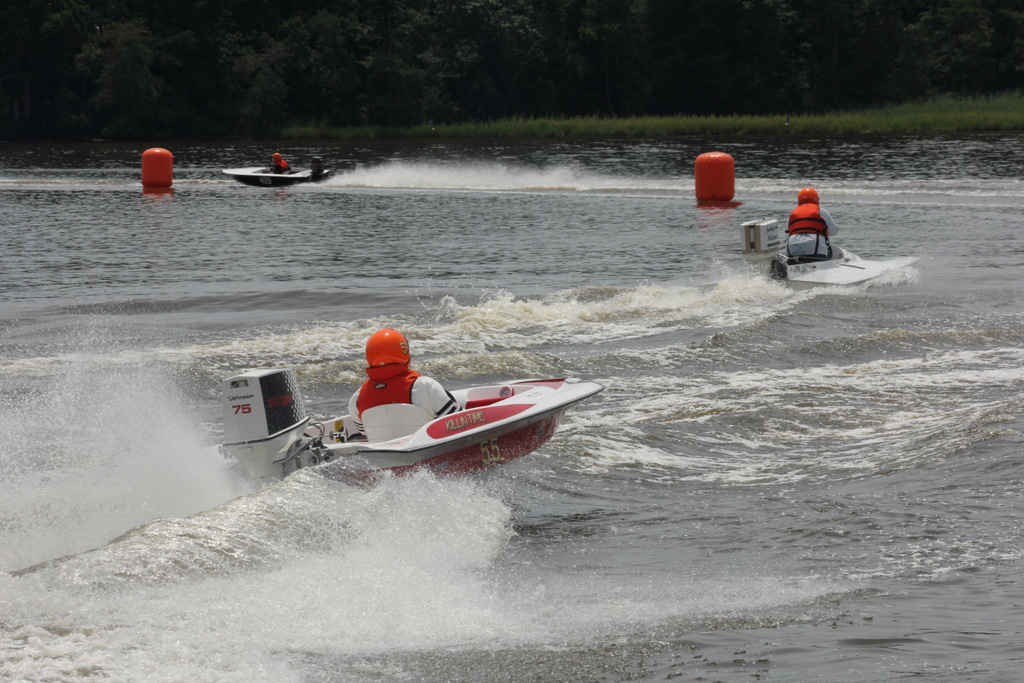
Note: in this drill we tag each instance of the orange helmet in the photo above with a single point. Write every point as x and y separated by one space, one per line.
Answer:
808 195
277 156
387 346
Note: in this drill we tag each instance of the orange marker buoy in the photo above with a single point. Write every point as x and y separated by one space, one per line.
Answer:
715 177
157 168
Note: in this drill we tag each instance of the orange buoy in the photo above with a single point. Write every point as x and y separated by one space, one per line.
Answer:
715 177
157 168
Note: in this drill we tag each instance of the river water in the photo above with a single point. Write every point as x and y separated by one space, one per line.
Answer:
812 485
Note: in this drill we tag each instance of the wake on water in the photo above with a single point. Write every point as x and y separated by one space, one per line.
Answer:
492 177
462 175
243 591
121 443
124 519
95 453
165 570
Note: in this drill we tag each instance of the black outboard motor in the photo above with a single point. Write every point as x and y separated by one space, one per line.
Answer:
317 167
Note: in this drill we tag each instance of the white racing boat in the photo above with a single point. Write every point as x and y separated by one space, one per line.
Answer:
765 241
268 434
264 176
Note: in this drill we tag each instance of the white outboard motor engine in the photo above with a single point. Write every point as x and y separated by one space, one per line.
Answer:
263 420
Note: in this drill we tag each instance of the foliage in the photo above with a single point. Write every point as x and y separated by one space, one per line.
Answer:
129 98
132 69
945 114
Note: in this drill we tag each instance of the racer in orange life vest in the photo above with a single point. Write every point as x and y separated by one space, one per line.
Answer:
396 401
810 226
280 165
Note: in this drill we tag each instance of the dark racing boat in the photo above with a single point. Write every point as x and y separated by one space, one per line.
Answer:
266 177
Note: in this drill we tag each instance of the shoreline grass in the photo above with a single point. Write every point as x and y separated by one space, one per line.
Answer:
940 115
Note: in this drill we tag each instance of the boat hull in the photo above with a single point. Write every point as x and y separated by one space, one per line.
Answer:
846 269
468 455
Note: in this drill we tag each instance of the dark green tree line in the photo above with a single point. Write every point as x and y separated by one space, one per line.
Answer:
127 69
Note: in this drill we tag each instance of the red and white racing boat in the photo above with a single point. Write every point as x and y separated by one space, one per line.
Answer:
268 435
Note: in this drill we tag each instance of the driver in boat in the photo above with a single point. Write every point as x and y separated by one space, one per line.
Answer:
810 226
396 401
280 165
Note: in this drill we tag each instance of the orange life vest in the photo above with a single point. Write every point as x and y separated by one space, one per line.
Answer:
807 219
387 384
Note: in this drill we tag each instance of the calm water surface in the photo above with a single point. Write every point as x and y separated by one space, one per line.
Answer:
818 485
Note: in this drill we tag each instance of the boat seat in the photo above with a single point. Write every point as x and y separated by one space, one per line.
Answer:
393 420
807 258
834 253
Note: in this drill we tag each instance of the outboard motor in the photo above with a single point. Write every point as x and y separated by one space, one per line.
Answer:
762 242
317 167
761 239
263 420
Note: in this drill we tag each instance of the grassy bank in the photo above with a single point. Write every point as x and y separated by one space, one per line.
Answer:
947 114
